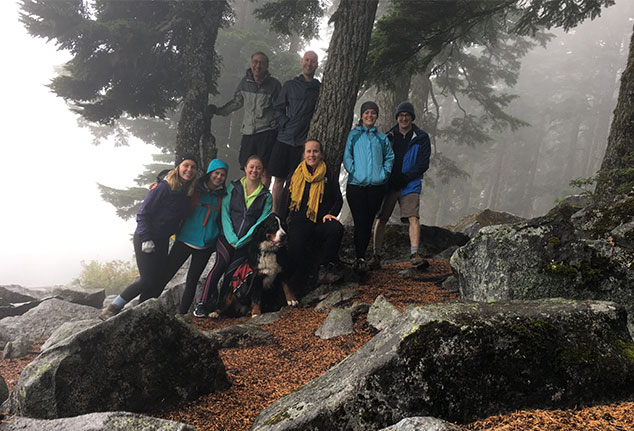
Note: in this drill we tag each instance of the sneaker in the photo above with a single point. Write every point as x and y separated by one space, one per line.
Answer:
109 311
201 310
360 265
374 262
417 261
329 274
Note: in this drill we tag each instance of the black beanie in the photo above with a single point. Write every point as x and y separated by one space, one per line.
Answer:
369 105
405 107
186 156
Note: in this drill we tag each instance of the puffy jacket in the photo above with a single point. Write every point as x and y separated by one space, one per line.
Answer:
368 157
294 109
202 225
257 99
161 213
238 221
416 160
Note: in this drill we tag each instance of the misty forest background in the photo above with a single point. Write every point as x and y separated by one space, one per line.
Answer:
516 106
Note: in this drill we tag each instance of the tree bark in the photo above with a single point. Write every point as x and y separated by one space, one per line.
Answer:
348 48
193 134
621 139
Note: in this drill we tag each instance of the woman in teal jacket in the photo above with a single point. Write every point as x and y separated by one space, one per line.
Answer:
368 158
199 232
247 204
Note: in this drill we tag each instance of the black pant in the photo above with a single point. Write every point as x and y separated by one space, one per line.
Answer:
150 265
303 233
225 254
177 256
364 202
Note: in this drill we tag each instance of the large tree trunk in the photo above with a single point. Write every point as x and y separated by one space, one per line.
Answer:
342 77
193 134
621 139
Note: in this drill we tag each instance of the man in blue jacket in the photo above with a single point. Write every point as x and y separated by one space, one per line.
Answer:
294 109
411 149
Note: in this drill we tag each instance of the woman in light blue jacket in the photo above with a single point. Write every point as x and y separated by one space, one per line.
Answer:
368 158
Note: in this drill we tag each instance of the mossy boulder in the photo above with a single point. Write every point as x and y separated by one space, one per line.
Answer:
467 360
572 252
136 361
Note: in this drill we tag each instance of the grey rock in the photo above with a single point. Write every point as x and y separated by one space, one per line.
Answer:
78 295
18 309
110 421
321 292
382 313
464 361
335 298
140 359
66 330
451 284
12 294
446 254
40 322
422 424
568 253
241 336
17 348
339 322
472 224
265 318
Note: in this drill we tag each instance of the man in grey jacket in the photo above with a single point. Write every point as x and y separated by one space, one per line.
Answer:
257 92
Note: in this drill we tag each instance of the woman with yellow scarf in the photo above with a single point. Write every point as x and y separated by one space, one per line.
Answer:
315 201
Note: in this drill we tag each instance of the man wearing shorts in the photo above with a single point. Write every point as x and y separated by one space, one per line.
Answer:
294 109
412 149
257 92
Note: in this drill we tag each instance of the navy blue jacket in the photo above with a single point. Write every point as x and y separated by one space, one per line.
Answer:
416 160
161 213
294 109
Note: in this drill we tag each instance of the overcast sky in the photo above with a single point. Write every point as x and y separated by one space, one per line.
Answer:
53 217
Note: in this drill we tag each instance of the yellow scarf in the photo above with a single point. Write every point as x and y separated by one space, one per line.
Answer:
300 177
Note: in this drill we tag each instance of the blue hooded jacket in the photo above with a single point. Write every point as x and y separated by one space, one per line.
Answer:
416 160
368 157
202 225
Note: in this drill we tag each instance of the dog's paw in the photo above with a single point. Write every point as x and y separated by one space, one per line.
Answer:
214 315
292 303
254 315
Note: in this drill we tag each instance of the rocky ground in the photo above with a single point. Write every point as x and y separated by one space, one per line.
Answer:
260 375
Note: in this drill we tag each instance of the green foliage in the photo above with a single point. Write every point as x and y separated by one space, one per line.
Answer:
113 276
623 178
289 17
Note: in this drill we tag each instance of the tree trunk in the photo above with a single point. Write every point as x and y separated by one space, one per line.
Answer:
342 77
621 139
194 134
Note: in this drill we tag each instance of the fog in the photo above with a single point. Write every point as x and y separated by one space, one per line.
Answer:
54 217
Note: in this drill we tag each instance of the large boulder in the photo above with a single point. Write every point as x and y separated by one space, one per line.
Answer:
78 295
422 424
136 361
4 390
66 330
572 252
462 361
40 322
110 421
18 309
12 294
470 225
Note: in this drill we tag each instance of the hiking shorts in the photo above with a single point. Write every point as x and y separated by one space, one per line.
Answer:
261 144
284 159
409 205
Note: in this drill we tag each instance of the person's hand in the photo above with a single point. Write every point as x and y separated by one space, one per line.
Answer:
153 186
329 217
148 246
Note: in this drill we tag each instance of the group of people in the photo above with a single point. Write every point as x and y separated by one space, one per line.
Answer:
206 215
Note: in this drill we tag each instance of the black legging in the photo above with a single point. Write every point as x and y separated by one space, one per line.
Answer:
364 203
303 233
225 254
150 265
177 256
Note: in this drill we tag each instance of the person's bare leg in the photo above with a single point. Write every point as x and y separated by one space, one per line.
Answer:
277 192
266 179
414 232
379 235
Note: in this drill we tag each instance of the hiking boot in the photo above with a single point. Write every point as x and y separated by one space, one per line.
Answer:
329 274
201 310
417 261
110 311
374 262
360 265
